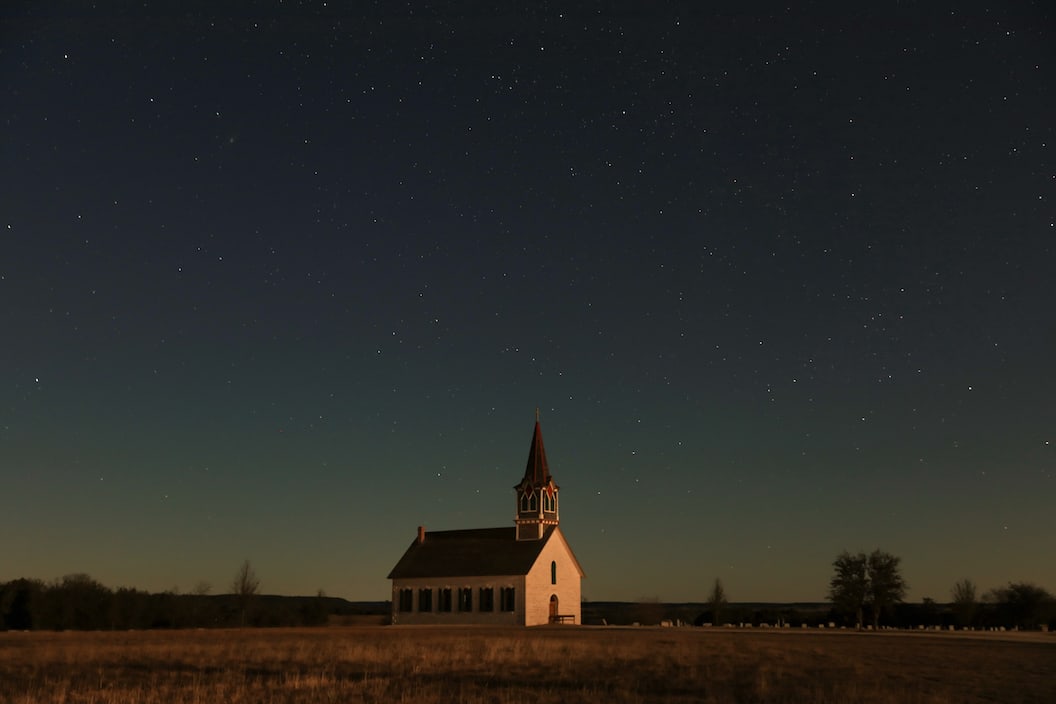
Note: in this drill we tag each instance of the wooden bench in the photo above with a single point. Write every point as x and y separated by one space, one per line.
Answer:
563 618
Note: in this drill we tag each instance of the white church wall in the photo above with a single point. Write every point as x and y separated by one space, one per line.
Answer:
539 586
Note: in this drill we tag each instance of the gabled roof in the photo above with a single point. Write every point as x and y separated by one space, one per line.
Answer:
537 473
470 553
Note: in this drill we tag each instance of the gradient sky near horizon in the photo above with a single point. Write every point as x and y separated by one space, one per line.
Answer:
284 280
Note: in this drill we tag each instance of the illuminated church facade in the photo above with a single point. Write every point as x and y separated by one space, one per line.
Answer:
522 575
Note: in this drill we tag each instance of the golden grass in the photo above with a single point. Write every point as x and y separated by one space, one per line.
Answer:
507 666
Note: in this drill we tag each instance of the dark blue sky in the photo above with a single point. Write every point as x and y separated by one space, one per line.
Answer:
285 281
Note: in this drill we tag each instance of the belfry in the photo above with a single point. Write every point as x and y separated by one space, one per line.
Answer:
536 493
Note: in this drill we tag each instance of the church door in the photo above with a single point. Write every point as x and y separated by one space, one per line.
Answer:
553 608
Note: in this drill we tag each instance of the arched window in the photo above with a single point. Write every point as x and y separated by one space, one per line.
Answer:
465 599
406 600
507 599
529 502
487 599
553 572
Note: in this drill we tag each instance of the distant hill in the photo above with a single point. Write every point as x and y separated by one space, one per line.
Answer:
333 605
652 613
78 602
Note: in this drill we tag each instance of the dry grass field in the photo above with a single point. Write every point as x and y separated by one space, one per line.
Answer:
559 665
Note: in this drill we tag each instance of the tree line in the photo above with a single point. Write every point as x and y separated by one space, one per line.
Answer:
873 585
862 587
869 589
78 602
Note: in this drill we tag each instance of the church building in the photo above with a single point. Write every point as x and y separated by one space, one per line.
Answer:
523 575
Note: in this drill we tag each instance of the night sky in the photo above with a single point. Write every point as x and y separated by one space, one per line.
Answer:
283 282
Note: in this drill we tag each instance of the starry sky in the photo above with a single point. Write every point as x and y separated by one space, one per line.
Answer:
284 280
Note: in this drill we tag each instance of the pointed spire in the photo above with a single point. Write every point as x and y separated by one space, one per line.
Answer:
536 495
537 473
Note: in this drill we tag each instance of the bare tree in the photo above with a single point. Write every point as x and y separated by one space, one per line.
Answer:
245 586
964 601
717 603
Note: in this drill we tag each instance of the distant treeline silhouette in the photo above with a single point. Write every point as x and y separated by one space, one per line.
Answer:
1017 605
78 602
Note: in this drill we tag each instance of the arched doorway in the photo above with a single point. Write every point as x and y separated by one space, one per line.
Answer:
553 608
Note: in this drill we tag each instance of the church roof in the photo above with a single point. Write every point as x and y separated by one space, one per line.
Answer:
470 553
537 473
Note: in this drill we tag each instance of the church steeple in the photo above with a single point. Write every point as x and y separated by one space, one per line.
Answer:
537 492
